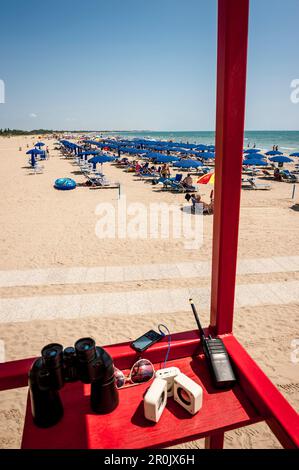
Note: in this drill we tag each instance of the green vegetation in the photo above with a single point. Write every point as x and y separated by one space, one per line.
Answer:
11 132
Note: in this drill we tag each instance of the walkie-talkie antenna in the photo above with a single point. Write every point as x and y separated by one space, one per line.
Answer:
202 334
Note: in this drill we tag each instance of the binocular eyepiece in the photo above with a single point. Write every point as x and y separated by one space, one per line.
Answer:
85 362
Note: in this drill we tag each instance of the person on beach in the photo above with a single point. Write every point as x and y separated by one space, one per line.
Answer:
165 171
277 175
196 199
188 183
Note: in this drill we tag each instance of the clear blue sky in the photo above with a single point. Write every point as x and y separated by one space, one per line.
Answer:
137 64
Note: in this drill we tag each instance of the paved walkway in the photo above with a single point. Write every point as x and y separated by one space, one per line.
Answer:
116 274
158 301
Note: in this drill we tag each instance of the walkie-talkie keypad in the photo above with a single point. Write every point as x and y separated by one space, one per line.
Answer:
219 363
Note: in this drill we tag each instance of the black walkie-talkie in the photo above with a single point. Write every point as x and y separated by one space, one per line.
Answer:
217 357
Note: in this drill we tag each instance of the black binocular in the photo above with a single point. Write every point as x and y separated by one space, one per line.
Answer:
86 362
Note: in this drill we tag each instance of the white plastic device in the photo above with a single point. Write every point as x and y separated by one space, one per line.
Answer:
155 400
168 374
187 393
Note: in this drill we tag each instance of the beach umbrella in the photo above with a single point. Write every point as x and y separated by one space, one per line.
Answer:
34 152
167 159
274 152
185 151
100 159
211 148
295 154
133 151
100 144
173 149
281 159
254 155
208 178
188 164
254 162
39 144
86 153
206 155
112 146
249 151
201 147
154 155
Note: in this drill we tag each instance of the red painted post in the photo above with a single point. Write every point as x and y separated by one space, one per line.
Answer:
215 441
230 112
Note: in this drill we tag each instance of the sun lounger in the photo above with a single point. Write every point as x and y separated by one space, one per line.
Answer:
37 169
100 182
267 173
255 185
289 177
148 175
178 187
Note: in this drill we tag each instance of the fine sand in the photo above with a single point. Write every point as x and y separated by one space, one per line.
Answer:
43 228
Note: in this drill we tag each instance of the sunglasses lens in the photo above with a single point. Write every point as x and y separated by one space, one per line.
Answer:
142 371
120 379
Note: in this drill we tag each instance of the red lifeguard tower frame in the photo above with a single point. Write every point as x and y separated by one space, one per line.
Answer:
254 398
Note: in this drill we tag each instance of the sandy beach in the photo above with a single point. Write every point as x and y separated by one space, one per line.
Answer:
50 233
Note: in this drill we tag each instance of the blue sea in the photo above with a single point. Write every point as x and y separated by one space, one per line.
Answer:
287 141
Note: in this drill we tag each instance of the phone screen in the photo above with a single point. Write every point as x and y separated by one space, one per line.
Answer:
142 343
145 341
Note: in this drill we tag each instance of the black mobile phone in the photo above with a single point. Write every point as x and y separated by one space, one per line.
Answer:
146 340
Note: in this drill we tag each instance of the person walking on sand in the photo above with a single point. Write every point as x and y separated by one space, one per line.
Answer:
165 172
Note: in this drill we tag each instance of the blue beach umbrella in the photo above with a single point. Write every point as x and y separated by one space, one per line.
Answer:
274 152
281 159
202 147
254 162
206 155
258 156
295 154
185 151
154 155
86 153
188 164
39 144
134 151
173 149
100 159
167 159
34 152
251 151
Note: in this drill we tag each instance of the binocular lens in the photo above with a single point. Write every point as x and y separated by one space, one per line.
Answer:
85 349
52 355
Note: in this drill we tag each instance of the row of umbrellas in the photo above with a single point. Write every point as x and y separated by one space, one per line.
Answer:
253 157
204 152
